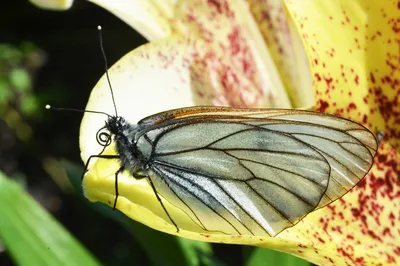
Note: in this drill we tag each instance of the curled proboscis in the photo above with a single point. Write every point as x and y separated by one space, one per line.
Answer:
103 138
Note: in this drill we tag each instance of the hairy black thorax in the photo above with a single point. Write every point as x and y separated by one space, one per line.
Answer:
124 135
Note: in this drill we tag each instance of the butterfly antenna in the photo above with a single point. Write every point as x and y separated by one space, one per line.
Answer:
48 107
106 67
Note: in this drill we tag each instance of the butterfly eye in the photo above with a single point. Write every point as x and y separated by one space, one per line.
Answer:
103 138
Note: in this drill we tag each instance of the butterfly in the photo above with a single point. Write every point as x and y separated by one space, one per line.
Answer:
241 171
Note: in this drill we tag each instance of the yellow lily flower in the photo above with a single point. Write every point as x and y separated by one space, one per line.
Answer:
247 54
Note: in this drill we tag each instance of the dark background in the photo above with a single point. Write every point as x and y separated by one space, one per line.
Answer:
71 65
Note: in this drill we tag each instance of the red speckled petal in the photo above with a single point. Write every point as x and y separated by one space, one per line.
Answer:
246 64
355 67
243 70
353 48
286 48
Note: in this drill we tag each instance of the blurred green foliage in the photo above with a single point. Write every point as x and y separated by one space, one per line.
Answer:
17 66
17 98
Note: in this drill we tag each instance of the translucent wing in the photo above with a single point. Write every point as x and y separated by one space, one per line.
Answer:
253 172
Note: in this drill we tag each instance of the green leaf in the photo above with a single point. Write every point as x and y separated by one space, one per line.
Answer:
162 249
20 79
5 91
10 54
32 236
29 105
262 256
196 252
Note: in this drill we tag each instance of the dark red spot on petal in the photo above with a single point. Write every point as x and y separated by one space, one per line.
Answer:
322 106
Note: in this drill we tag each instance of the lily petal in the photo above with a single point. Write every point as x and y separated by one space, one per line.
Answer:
148 18
245 74
56 5
286 48
354 77
355 66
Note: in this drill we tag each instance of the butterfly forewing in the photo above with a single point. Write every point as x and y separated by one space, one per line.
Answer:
253 172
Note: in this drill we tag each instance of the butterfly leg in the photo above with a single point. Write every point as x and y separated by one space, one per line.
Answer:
158 198
162 205
116 186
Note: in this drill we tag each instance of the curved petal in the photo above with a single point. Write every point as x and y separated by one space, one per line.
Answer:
248 77
230 29
148 18
354 76
56 5
286 48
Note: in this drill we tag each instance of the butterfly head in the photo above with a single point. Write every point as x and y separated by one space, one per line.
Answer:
114 127
121 129
115 124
